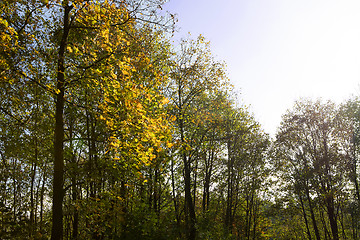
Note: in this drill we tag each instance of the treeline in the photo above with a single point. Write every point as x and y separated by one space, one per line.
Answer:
316 161
110 131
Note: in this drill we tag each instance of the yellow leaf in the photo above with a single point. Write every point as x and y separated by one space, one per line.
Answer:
165 101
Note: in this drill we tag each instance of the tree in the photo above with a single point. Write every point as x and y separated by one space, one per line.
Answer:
245 172
310 144
64 46
349 111
193 74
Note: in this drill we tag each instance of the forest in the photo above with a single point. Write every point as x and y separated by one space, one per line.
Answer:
109 129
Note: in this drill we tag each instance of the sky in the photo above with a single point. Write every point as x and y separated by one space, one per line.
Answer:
278 51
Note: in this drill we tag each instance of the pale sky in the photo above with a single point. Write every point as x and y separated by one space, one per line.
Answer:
279 50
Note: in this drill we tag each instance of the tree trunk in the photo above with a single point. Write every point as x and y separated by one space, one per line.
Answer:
326 232
256 209
191 217
332 217
32 183
75 223
42 191
188 200
317 234
205 198
248 215
58 178
195 182
74 188
174 197
189 207
208 171
229 200
305 217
